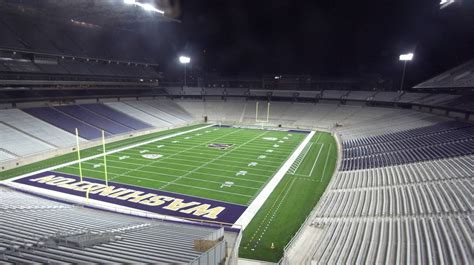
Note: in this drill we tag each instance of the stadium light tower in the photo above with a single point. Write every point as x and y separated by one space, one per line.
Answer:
145 6
405 58
184 60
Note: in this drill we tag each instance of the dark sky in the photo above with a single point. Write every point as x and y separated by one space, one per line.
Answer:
331 38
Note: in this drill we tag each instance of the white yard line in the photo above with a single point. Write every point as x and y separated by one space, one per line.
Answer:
205 164
169 156
316 160
203 156
258 202
325 163
166 157
183 167
174 176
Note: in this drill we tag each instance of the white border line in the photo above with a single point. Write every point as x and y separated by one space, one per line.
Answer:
258 202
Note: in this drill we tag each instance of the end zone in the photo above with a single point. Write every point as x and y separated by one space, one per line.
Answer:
162 203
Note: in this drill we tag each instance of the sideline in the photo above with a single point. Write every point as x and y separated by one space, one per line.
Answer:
258 202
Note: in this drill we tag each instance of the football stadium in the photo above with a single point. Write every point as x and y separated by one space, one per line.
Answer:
219 132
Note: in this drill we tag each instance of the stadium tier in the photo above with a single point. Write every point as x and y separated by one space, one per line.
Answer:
458 77
36 128
182 132
37 230
93 119
141 111
116 116
403 175
402 194
65 122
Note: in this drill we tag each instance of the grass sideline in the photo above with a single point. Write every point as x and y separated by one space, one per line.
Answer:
291 202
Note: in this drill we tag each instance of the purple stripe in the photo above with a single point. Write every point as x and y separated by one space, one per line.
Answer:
229 215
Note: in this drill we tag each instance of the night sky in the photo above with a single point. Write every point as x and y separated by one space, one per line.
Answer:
325 38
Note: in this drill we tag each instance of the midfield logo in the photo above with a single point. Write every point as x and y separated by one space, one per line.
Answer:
220 146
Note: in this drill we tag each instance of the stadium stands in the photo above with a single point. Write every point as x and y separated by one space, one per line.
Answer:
20 144
427 143
408 201
37 230
172 108
360 95
459 77
333 94
36 128
116 116
151 117
65 122
93 119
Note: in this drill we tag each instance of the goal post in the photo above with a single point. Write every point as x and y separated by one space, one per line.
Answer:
267 119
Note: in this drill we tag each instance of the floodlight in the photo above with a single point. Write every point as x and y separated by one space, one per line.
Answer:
184 59
406 57
129 2
149 7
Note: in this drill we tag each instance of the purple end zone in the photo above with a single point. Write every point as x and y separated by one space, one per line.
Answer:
229 213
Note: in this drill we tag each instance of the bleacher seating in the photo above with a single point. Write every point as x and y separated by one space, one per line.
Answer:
137 114
334 94
172 108
5 155
37 230
116 116
149 110
360 95
169 117
412 97
21 144
386 96
37 128
408 201
94 119
427 143
65 122
461 76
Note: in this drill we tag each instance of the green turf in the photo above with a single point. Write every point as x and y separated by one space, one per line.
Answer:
190 167
290 203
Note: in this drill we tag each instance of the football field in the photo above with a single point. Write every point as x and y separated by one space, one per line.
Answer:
225 164
207 164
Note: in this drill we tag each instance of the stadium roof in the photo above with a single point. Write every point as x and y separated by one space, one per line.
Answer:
458 77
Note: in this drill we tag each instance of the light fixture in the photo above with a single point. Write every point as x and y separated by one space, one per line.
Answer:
129 2
149 7
184 59
406 57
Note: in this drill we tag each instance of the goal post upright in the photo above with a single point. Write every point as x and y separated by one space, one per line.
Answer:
256 112
268 111
267 120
